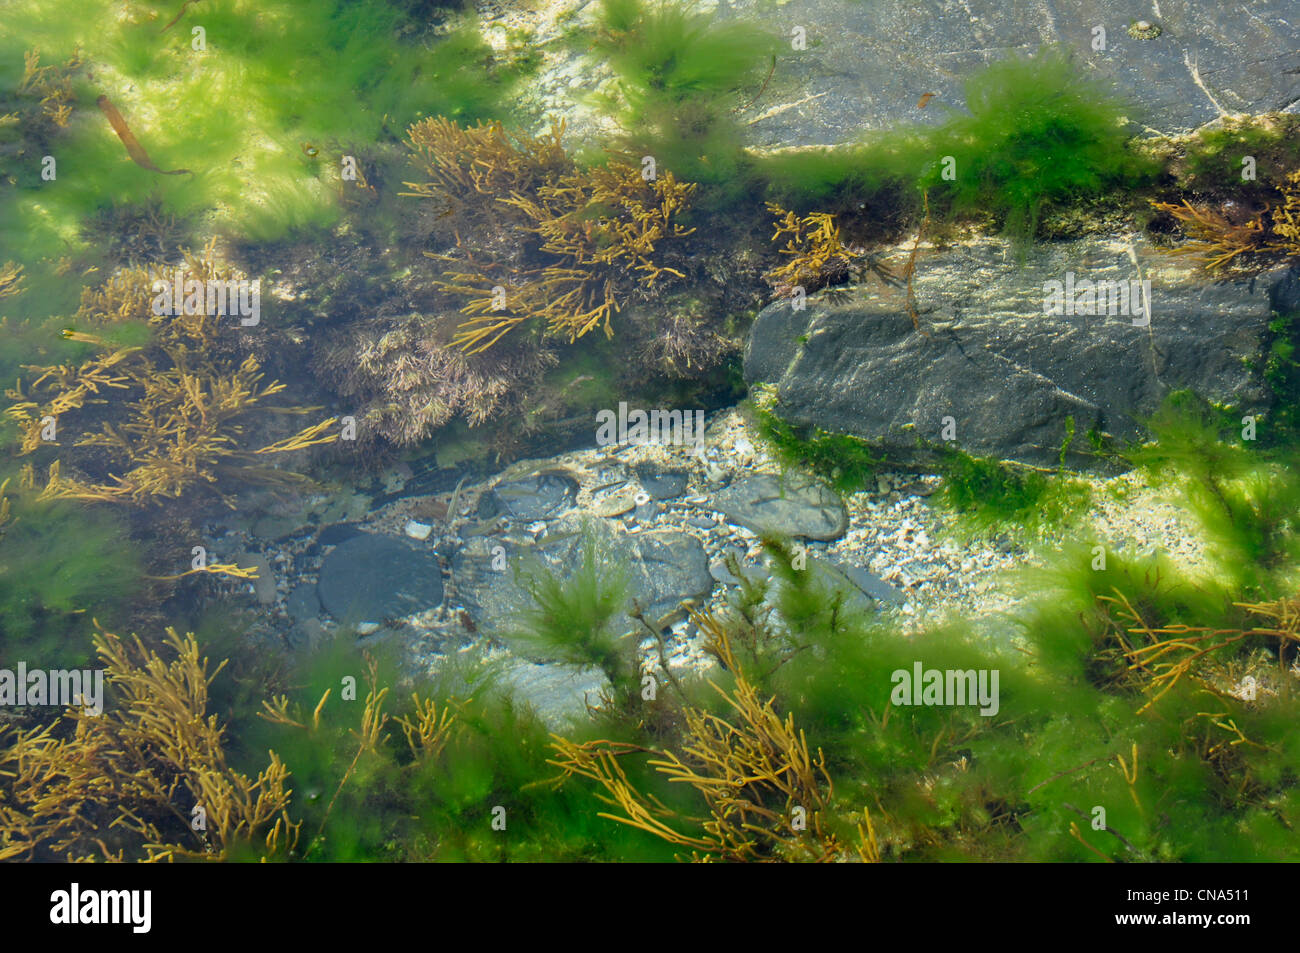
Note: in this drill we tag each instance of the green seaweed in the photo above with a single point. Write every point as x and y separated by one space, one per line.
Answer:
60 564
1039 132
1036 133
680 78
847 462
575 619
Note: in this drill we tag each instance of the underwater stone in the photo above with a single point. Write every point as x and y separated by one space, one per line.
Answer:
661 483
617 504
663 569
541 496
337 533
793 504
418 530
720 571
264 585
1006 372
559 694
303 603
373 578
878 54
667 568
868 582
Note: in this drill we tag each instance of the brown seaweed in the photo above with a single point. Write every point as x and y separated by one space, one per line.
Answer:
133 147
176 19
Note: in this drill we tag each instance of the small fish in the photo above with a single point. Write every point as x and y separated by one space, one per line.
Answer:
72 334
176 19
133 147
309 150
921 103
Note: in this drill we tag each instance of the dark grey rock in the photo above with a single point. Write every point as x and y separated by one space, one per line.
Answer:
661 483
373 578
537 497
264 590
667 567
337 533
831 576
702 522
662 569
790 504
720 571
303 602
1008 374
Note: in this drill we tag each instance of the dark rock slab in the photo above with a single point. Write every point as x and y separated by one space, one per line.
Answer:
661 483
790 504
337 533
1008 374
868 583
661 568
373 578
537 497
667 567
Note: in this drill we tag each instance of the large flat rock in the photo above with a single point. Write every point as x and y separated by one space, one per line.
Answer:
1009 375
873 60
868 62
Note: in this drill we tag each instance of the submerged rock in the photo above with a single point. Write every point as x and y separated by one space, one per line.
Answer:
1007 374
541 496
791 504
373 578
303 602
661 483
662 569
558 694
843 575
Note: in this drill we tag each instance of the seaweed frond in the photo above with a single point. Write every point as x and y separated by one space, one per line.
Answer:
1215 241
132 781
11 280
172 413
588 238
1226 241
768 797
817 255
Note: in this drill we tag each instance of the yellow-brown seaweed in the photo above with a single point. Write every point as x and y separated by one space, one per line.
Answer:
133 147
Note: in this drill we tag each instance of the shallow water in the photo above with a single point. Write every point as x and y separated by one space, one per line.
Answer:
527 392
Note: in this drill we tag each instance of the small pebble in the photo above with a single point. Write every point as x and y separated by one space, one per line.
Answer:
417 530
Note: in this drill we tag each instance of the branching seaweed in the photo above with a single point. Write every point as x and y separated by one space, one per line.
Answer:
128 783
594 233
171 413
767 795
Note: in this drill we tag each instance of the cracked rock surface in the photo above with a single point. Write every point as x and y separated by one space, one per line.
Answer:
1006 373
